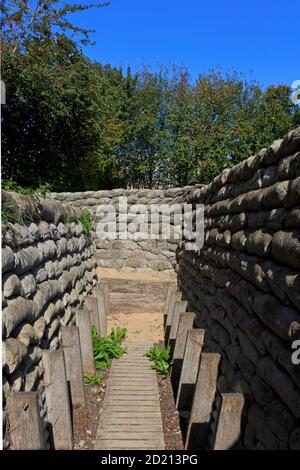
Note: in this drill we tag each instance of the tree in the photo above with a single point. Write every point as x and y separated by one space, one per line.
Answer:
50 124
179 159
234 119
115 95
139 156
24 20
273 115
82 125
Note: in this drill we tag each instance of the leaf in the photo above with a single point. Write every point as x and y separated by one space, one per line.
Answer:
161 358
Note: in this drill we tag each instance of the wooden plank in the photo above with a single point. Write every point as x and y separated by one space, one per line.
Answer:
147 377
146 400
137 427
176 296
104 288
138 391
190 365
134 437
171 290
126 406
136 286
146 384
91 305
131 364
108 444
138 386
57 398
84 324
133 372
143 414
228 429
134 377
205 391
73 362
143 421
138 380
186 322
102 303
26 427
180 307
128 295
140 358
129 391
128 435
132 368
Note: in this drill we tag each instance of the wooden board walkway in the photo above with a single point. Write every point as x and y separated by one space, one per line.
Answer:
131 416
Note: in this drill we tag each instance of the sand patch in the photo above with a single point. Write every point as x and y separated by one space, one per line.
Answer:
141 327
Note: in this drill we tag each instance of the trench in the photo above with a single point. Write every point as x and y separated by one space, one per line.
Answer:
138 410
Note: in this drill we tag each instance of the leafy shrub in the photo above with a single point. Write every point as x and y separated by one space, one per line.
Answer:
86 221
161 358
84 218
92 379
39 191
8 212
108 348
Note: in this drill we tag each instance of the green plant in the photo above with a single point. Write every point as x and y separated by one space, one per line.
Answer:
39 191
86 221
12 214
161 358
8 215
92 379
107 348
84 218
118 335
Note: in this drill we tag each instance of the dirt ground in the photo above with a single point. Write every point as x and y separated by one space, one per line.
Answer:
86 418
169 414
141 327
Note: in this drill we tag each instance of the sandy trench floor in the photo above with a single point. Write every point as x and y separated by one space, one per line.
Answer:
141 327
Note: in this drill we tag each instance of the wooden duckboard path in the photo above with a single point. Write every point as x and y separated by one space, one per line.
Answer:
131 416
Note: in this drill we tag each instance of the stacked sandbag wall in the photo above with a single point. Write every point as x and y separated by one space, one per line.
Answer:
244 285
48 269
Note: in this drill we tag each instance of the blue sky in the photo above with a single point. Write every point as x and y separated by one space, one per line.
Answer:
259 38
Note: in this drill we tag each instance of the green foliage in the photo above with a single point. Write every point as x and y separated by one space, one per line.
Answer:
92 379
40 191
51 116
86 221
161 358
85 218
118 335
79 125
107 348
9 216
37 19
